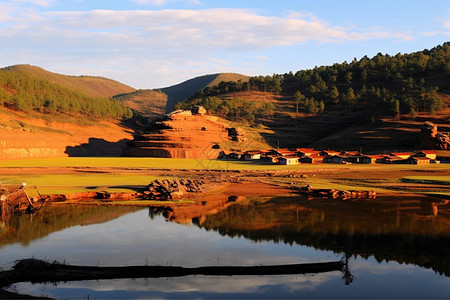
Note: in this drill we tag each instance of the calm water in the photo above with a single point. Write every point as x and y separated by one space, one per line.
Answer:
398 248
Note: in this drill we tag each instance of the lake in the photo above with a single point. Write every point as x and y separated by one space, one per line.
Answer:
396 247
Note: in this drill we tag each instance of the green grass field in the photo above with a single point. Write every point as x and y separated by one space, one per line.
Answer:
176 163
126 180
428 179
61 184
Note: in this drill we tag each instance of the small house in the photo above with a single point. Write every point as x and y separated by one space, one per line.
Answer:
281 152
288 160
311 159
334 159
392 159
443 156
403 155
251 155
426 153
268 159
328 153
418 160
305 151
234 155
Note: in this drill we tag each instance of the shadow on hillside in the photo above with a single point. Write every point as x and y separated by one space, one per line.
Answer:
186 89
97 147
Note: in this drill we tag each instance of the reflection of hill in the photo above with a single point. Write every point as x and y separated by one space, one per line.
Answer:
27 228
388 229
197 212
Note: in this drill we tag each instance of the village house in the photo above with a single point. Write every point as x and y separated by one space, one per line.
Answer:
328 153
311 159
281 152
361 159
349 153
402 155
305 151
235 155
431 154
268 159
288 160
251 155
335 159
443 156
418 160
392 159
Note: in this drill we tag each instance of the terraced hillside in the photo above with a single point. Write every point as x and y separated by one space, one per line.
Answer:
192 136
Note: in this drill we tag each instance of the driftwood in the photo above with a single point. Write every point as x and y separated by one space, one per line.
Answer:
14 200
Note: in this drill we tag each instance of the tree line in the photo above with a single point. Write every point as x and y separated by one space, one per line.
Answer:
384 86
22 91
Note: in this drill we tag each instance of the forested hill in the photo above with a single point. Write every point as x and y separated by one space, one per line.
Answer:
189 87
381 86
90 85
32 89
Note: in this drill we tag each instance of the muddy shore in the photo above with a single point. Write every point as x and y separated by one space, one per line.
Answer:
265 182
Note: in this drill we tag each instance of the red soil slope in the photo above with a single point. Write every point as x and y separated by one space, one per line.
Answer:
24 137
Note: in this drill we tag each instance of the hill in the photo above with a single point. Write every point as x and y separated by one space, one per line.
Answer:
89 85
189 87
34 135
186 134
150 103
44 114
375 103
32 89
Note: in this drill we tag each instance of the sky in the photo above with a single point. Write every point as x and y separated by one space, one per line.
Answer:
150 44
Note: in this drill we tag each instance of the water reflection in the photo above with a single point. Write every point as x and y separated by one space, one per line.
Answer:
390 228
28 227
378 236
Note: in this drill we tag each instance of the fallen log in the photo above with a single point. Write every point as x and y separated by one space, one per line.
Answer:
38 271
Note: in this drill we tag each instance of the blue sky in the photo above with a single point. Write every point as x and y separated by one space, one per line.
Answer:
158 43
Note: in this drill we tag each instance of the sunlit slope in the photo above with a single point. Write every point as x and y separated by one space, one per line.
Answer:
91 85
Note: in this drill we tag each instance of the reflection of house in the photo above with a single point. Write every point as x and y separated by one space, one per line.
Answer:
288 160
426 153
418 160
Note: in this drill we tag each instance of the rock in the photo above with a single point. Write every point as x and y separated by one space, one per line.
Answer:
432 139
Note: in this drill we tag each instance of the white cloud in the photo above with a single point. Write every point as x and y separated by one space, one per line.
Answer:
164 2
150 2
446 24
161 40
43 3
